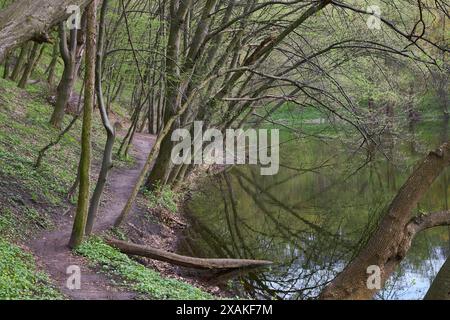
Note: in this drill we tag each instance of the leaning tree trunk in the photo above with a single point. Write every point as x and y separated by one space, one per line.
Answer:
110 132
25 20
159 173
79 225
440 288
389 244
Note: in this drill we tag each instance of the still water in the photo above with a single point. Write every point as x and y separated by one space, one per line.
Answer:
313 216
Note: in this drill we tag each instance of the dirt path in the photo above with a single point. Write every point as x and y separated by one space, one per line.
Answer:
51 247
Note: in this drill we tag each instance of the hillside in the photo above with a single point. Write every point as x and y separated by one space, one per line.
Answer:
33 203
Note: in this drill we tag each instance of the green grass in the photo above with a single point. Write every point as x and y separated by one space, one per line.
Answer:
135 276
29 197
18 223
162 197
24 130
19 278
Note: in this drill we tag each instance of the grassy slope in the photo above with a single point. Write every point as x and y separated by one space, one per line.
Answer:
19 278
30 199
135 276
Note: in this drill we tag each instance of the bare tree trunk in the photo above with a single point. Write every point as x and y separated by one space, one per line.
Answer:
20 61
66 84
440 288
79 225
173 96
29 67
52 66
7 66
110 132
179 260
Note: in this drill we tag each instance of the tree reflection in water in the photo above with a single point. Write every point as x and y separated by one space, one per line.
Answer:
313 216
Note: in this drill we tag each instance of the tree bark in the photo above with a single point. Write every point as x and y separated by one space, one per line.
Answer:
440 288
172 94
29 66
7 67
110 132
20 61
79 225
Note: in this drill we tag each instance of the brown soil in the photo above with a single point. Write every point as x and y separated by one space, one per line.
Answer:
51 246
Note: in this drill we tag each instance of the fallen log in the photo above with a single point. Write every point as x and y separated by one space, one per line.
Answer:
184 261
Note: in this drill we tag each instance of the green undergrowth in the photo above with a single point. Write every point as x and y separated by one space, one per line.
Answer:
19 278
30 198
136 276
303 121
162 197
24 130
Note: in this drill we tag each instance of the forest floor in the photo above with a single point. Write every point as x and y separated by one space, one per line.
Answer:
51 246
36 217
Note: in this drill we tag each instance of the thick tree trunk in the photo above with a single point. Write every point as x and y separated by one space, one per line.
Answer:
25 20
190 262
79 225
392 239
159 173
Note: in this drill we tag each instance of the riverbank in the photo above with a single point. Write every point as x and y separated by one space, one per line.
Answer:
160 220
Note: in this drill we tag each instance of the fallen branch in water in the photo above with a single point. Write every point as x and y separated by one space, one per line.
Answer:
190 262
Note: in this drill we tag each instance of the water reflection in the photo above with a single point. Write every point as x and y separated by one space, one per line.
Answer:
313 216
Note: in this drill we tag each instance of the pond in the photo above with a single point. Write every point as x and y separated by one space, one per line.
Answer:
313 216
